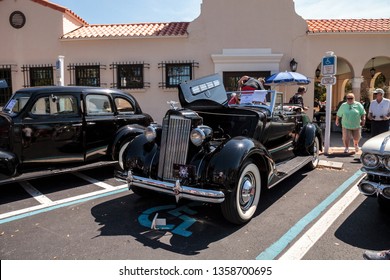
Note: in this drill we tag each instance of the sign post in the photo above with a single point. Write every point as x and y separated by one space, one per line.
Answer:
60 70
328 69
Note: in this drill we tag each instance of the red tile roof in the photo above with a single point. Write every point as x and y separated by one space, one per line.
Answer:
60 9
141 30
348 25
179 29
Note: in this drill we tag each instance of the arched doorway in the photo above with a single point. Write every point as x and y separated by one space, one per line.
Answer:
376 74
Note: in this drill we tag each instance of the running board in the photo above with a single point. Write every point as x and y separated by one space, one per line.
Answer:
50 172
288 168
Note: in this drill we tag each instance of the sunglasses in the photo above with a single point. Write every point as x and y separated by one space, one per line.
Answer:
350 98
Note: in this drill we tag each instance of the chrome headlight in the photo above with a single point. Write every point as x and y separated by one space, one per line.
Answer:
150 133
367 189
386 193
370 160
386 162
197 136
201 134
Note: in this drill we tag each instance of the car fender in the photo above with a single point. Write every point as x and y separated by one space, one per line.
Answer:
8 164
140 156
224 164
123 135
306 139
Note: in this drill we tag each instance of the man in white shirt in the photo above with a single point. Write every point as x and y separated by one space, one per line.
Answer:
379 113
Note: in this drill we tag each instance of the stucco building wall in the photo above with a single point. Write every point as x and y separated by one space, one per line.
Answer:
228 35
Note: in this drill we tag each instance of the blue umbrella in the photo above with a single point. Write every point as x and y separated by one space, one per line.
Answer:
3 84
287 78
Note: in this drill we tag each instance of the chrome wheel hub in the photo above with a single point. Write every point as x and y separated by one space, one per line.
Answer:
247 193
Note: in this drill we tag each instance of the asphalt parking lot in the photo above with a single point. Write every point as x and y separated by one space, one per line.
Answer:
90 215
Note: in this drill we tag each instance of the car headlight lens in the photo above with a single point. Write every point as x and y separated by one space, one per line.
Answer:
201 134
386 162
197 136
367 189
150 133
370 160
386 193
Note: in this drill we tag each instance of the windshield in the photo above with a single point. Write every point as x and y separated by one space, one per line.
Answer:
16 103
250 98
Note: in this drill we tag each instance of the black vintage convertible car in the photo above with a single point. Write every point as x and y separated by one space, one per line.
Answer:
51 130
217 153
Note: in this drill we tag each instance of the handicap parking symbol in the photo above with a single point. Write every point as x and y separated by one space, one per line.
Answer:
177 213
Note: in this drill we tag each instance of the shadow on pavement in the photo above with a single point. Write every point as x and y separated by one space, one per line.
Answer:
367 227
194 225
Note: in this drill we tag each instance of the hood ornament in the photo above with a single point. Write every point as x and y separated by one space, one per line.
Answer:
173 104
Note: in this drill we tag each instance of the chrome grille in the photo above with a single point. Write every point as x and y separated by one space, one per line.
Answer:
383 179
174 145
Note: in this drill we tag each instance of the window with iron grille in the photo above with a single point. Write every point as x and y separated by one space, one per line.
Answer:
41 76
129 75
87 75
177 72
5 74
38 75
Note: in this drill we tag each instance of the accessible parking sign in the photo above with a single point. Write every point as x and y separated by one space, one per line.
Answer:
329 64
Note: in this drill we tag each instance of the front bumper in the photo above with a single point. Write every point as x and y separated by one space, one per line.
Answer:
174 189
371 188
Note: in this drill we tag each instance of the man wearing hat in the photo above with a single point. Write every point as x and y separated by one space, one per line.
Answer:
379 113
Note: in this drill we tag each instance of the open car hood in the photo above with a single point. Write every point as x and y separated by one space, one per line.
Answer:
206 92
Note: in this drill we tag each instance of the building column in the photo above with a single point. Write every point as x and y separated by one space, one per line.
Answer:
356 84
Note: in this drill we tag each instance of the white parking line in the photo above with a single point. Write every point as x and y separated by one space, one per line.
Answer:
273 251
7 217
303 245
35 193
94 181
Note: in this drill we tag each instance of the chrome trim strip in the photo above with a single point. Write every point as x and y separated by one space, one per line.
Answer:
375 172
176 189
384 143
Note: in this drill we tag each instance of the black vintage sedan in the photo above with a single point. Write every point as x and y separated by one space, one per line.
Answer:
213 152
47 130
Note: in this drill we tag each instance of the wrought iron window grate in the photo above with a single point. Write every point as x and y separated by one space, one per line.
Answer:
85 74
129 75
6 74
176 72
38 75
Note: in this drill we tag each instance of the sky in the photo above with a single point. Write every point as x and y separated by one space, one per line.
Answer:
136 11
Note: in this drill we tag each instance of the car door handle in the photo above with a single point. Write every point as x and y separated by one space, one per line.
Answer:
77 124
90 123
